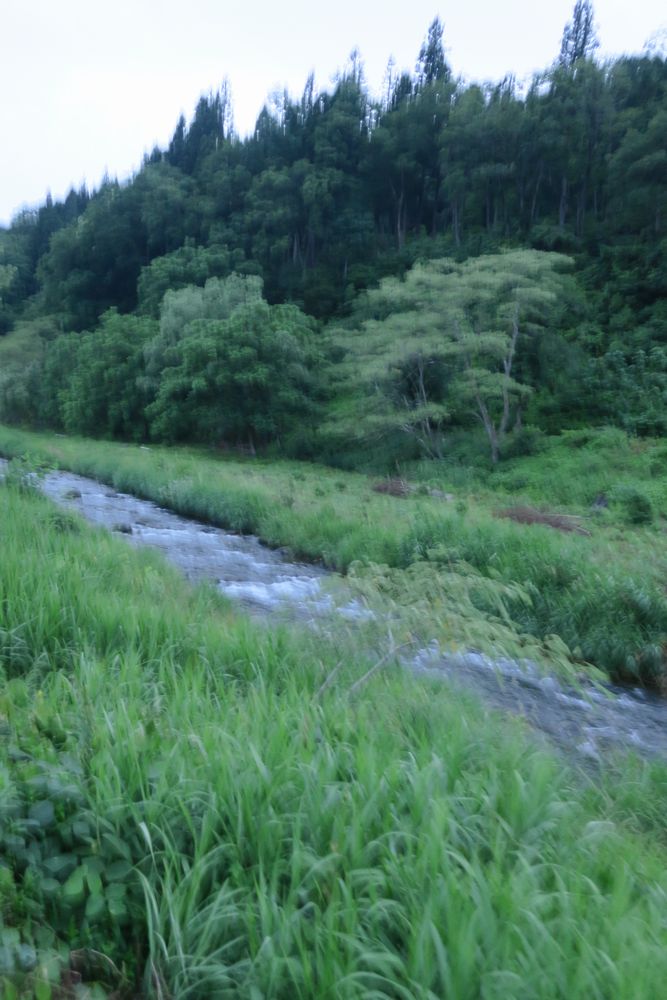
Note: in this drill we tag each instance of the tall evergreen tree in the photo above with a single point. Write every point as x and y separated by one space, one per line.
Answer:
432 66
176 148
579 37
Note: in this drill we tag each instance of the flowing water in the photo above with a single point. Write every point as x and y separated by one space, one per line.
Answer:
588 722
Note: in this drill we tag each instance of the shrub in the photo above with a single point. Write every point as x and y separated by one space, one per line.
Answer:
527 441
635 505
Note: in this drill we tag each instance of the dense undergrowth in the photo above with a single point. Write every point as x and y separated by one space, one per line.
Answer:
574 469
183 814
601 594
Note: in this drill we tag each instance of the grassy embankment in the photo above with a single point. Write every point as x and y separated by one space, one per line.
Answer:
602 594
184 812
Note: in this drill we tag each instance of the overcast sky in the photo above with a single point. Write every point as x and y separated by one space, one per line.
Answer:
88 86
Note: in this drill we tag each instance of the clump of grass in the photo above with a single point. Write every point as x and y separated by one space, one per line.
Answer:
635 505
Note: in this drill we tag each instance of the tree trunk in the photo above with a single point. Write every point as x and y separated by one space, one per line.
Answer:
562 208
400 222
296 250
456 222
399 202
489 427
581 208
309 259
536 192
507 366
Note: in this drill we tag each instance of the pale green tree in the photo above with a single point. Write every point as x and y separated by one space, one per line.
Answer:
443 342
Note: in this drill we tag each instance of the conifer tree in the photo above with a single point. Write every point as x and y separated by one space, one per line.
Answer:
432 66
579 37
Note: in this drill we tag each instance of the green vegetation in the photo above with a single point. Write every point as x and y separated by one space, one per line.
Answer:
602 594
333 194
221 364
227 366
459 289
442 344
182 812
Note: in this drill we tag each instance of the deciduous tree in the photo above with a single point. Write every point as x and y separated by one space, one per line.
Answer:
445 340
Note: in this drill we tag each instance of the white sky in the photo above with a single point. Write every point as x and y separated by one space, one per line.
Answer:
89 86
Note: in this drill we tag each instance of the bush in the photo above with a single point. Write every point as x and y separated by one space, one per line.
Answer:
658 461
635 506
527 441
597 438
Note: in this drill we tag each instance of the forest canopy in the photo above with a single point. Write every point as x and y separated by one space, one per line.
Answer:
337 193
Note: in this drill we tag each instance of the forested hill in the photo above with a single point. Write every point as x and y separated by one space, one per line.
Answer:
336 190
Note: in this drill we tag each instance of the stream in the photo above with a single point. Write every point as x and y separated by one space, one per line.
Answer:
586 722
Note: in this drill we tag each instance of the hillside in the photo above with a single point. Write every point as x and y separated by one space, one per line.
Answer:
332 194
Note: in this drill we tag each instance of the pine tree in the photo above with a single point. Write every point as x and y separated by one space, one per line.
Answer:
579 37
432 66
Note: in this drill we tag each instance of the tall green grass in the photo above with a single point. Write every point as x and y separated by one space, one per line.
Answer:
602 595
182 814
572 471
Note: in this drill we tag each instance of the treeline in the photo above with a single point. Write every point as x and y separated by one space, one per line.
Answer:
335 190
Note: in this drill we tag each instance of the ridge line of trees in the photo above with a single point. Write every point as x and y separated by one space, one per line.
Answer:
335 191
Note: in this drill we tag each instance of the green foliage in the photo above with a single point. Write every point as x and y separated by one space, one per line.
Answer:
19 394
229 367
631 391
636 505
178 806
189 265
444 342
223 366
92 264
88 383
335 191
8 276
579 37
603 597
184 812
217 300
247 379
71 864
103 395
524 441
451 602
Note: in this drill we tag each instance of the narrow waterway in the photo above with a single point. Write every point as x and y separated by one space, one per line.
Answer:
586 722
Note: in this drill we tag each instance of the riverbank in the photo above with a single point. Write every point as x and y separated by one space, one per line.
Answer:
586 723
184 808
601 594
